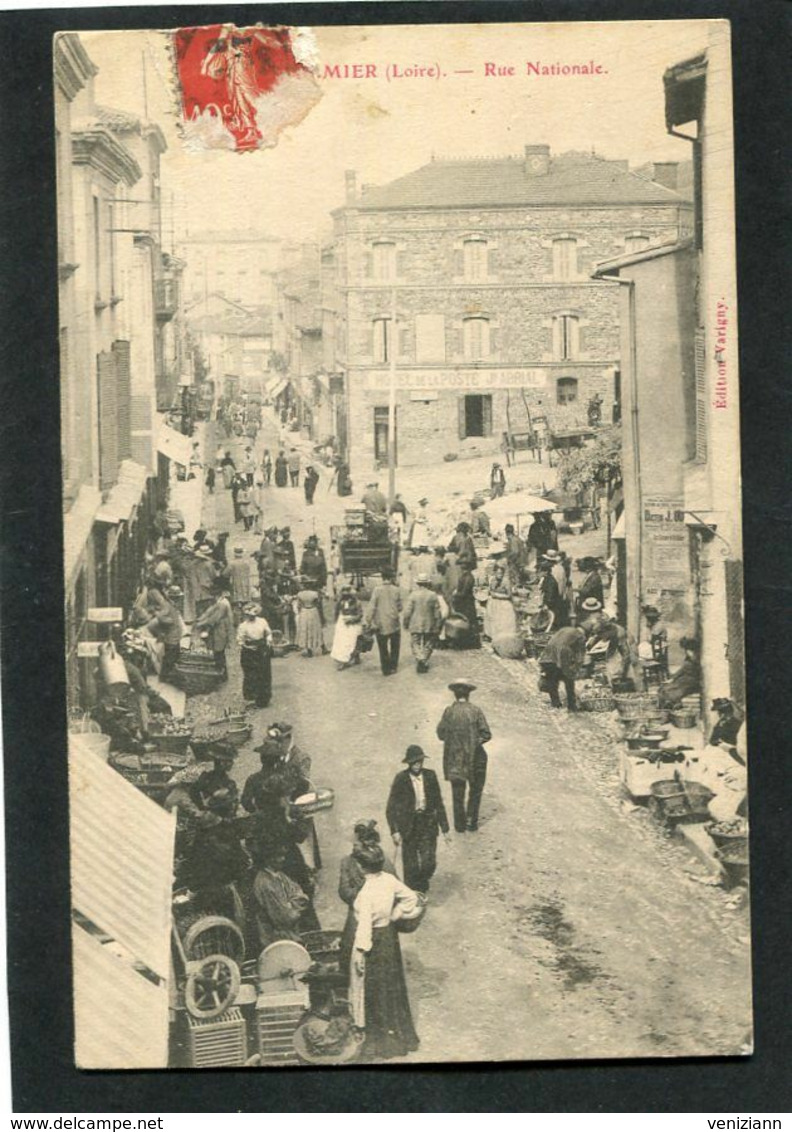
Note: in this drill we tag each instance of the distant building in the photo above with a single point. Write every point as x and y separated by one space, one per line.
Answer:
236 342
497 318
240 266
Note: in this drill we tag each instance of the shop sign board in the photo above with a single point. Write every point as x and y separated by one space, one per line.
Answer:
105 614
667 543
460 379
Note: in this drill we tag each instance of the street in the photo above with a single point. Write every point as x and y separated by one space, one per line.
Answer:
570 925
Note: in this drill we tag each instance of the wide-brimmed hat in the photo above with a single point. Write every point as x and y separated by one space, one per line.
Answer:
721 703
414 754
239 551
591 605
423 579
279 730
462 682
252 609
552 555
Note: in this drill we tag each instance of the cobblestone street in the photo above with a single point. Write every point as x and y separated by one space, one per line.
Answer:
570 924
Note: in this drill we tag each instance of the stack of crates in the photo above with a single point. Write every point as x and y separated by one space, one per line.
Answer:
277 1017
215 1042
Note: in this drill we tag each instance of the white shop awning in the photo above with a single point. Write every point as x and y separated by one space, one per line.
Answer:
618 531
125 496
175 445
121 860
77 526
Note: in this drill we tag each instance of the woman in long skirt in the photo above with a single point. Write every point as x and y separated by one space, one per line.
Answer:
255 655
349 619
350 882
309 623
378 989
228 468
281 470
500 620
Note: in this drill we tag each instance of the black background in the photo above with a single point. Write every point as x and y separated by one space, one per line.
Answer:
44 1078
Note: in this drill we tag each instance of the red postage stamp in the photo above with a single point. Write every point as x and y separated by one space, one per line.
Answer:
240 86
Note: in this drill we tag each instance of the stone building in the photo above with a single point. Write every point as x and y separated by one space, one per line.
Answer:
241 266
486 265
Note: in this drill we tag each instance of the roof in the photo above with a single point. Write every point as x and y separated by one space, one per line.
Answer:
614 265
572 179
121 860
684 90
124 122
230 237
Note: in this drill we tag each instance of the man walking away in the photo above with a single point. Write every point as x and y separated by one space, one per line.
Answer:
464 730
562 659
294 467
382 616
310 481
416 813
423 618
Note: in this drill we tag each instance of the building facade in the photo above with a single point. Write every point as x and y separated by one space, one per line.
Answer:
472 280
241 266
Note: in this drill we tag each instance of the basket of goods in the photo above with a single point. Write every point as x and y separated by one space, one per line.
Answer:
679 800
734 859
151 773
196 672
683 719
312 803
646 738
232 727
596 699
170 734
622 685
410 921
731 832
280 643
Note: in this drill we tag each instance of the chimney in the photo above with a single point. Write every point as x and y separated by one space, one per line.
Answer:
537 160
350 178
666 173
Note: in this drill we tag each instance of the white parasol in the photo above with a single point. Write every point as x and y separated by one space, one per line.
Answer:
507 507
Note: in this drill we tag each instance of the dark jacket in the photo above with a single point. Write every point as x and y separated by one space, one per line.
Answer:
400 810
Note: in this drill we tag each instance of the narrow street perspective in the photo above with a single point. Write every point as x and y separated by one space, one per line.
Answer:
403 555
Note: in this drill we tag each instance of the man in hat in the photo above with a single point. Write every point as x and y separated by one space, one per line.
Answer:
313 564
286 555
590 613
218 620
423 619
281 902
464 730
416 813
215 792
542 535
516 555
382 615
373 499
562 660
727 728
550 593
267 552
462 543
238 573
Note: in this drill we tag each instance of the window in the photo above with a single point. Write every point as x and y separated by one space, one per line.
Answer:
635 243
384 261
567 390
566 336
382 433
475 258
476 338
475 415
565 264
382 339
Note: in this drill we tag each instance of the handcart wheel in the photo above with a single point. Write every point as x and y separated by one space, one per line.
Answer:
212 987
212 935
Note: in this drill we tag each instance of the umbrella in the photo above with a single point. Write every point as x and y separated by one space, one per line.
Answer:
507 507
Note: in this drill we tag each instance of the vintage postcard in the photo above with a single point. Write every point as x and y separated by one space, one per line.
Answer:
403 555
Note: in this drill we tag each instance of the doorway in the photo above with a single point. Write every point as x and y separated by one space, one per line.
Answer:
475 415
381 436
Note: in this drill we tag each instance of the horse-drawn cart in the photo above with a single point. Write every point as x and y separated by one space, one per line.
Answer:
364 545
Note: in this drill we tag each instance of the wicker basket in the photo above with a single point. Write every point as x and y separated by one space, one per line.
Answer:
683 719
177 744
596 699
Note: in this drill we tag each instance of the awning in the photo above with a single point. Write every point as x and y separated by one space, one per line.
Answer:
175 445
121 860
77 526
120 1016
277 389
126 495
618 531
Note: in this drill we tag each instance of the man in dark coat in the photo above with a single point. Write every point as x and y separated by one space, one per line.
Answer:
562 660
416 813
464 730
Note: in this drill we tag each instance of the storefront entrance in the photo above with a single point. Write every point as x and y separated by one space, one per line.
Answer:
381 435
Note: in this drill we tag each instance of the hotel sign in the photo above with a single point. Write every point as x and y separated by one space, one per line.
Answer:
460 379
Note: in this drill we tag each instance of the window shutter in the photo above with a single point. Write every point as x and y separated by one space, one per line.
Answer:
121 353
108 426
492 262
459 263
461 412
701 397
486 414
455 341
